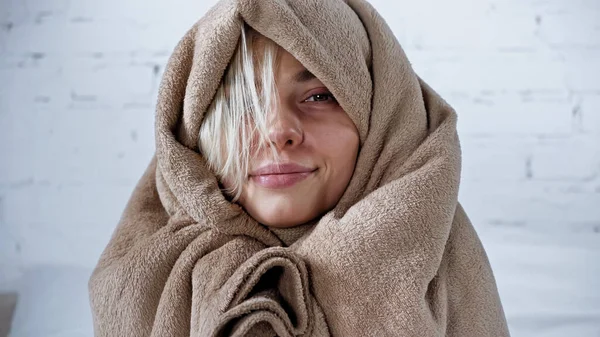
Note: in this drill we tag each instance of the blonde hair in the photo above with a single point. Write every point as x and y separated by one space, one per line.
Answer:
235 125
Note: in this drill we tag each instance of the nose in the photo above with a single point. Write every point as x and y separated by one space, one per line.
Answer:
285 129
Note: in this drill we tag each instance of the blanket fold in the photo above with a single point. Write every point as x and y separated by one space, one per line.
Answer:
397 256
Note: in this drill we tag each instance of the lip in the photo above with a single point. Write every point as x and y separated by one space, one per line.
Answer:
281 175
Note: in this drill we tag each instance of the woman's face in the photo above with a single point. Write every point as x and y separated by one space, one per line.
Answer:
317 144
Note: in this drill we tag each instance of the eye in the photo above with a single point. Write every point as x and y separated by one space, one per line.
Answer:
321 97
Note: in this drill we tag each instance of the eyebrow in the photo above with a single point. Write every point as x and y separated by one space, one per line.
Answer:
303 76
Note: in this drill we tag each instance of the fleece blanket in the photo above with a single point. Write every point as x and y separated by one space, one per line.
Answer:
397 256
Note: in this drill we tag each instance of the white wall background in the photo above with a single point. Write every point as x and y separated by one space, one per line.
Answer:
78 83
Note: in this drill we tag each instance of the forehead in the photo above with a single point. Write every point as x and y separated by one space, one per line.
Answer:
259 45
286 70
284 61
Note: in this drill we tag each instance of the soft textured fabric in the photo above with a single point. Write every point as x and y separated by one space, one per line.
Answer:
397 256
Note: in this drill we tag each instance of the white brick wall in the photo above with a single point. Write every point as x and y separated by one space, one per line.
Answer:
79 81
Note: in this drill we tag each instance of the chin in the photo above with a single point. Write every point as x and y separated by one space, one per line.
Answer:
282 208
282 220
282 216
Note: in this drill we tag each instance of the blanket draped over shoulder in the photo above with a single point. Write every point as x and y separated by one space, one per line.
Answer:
397 256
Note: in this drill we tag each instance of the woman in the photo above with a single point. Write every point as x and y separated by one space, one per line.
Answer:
297 147
305 183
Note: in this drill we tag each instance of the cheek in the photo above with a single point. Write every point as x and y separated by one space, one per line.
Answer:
337 140
226 183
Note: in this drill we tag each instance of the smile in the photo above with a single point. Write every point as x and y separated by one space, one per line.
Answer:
281 176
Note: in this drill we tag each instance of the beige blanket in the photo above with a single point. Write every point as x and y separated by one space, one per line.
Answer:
396 257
